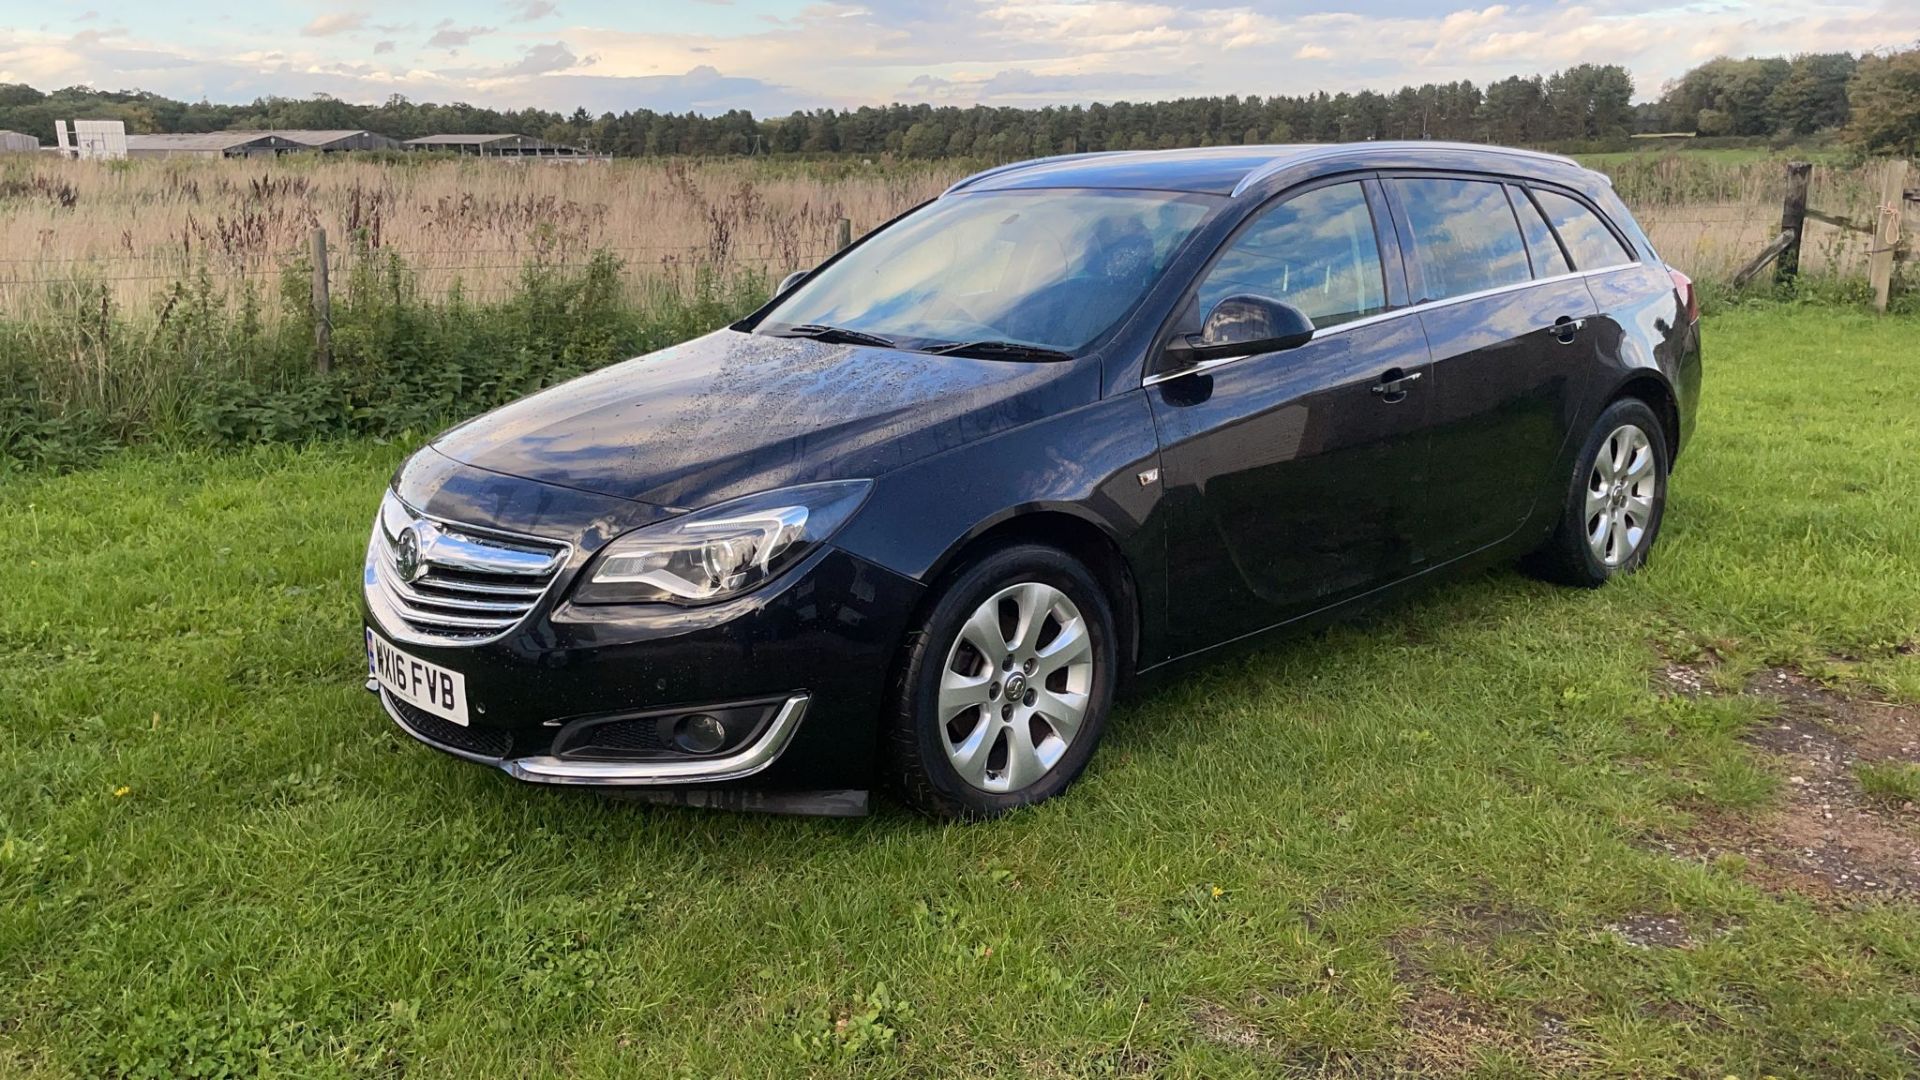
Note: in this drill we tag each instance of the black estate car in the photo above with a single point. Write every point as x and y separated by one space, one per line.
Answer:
915 519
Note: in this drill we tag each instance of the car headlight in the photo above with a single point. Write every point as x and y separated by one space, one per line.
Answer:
720 552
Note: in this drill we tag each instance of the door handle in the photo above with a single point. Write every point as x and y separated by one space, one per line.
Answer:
1393 385
1565 328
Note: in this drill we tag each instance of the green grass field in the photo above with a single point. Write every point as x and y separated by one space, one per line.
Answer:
1503 830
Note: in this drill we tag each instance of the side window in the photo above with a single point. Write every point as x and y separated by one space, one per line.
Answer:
1316 251
1465 238
1588 239
1548 259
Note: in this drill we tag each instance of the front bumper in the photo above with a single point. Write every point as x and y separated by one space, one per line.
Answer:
820 643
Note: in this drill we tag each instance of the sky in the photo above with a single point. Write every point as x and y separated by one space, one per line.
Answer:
774 56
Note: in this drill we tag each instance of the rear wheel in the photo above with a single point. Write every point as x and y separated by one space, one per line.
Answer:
1615 502
1005 687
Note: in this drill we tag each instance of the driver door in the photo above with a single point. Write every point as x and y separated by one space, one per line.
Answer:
1294 479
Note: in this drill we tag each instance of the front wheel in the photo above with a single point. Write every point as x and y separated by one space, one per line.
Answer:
1614 504
1005 686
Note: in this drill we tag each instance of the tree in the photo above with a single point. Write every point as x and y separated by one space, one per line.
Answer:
1813 96
1738 94
924 140
1884 99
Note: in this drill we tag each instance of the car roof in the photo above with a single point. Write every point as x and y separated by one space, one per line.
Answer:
1237 170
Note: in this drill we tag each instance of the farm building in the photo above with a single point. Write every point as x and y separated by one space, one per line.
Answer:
211 145
333 142
507 146
12 142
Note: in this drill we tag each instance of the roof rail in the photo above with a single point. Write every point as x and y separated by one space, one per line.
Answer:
1000 170
1333 149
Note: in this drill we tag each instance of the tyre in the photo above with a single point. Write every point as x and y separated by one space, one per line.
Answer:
1005 685
1614 502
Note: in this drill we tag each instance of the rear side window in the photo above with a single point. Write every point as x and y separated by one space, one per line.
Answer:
1588 239
1465 238
1316 251
1548 259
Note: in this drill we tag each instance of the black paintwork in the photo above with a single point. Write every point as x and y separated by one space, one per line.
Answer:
1286 490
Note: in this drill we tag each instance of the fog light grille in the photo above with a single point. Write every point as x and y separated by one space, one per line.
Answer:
653 735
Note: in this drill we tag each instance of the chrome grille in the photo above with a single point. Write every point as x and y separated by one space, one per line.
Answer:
466 585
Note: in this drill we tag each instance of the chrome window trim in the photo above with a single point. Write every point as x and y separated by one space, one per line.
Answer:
1384 316
382 609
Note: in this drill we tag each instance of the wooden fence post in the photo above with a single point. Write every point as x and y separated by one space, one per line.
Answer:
842 234
322 306
1886 232
1793 219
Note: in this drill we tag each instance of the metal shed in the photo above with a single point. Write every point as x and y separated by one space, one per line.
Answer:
334 142
12 142
507 146
210 145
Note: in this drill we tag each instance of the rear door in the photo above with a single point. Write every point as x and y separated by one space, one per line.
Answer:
1293 479
1633 300
1508 324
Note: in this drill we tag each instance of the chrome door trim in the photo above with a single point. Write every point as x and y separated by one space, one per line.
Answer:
1410 309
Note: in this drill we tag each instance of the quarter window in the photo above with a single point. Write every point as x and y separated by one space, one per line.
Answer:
1465 238
1591 243
1548 259
1316 251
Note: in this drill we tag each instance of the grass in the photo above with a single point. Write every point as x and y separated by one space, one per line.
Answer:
1406 843
1894 781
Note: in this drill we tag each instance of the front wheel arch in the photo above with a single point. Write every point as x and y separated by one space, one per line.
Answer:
1090 543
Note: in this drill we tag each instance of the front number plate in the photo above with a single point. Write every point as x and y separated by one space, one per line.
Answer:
427 687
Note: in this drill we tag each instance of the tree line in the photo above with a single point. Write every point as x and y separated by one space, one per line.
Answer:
1871 101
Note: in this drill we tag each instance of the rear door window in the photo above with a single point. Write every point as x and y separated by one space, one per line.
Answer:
1465 238
1548 259
1316 251
1592 245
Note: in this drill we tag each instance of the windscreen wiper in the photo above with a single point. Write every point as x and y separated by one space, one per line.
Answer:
1012 350
836 335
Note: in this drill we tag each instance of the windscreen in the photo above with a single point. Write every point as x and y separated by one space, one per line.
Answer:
1049 268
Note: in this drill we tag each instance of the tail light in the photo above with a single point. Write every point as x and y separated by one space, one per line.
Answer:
1689 299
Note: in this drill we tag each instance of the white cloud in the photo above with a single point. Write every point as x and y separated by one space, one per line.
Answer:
448 36
339 22
532 10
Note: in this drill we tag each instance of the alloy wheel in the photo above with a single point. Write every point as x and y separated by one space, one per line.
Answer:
1015 688
1621 488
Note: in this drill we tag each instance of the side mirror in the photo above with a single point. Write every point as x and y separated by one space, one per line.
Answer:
1244 325
790 281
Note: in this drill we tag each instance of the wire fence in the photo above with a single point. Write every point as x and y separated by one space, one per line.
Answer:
1710 236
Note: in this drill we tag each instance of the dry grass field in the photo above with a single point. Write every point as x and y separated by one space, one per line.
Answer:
141 227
